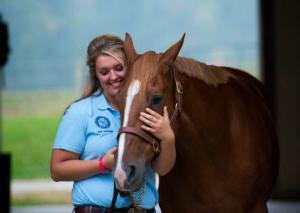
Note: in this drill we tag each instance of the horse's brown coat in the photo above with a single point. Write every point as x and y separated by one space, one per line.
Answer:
227 151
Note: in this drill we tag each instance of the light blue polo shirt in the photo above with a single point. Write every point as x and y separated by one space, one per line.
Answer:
89 128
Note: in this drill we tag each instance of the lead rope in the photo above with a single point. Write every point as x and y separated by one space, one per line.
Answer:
137 203
115 196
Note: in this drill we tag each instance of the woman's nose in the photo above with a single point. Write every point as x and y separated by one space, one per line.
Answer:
113 75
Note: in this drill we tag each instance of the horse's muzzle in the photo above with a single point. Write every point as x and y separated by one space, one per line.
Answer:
130 178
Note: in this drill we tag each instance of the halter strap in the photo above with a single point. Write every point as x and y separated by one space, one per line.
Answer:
178 98
142 134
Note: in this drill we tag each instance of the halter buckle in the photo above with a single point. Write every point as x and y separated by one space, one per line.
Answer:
156 147
176 106
179 87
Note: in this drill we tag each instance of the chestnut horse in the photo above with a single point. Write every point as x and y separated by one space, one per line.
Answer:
226 145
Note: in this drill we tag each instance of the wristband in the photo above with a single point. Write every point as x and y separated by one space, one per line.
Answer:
101 167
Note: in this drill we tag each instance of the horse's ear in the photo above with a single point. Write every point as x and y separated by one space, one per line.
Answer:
130 52
170 55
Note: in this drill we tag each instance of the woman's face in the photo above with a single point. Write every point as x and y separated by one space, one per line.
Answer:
110 73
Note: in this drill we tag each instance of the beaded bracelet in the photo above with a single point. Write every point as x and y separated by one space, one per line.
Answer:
101 166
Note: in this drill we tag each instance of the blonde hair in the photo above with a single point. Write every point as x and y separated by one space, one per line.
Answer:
106 44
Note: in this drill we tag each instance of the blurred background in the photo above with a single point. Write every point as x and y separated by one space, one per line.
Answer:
46 67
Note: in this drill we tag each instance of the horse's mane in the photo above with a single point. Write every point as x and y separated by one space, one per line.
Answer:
209 74
215 76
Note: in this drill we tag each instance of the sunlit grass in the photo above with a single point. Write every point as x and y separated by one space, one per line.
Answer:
35 103
30 120
29 140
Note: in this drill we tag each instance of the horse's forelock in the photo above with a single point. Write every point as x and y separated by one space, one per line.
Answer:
144 69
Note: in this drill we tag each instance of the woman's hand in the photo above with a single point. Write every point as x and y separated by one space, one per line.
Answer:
160 127
109 158
157 124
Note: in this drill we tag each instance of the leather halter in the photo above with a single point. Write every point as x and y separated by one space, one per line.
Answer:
142 134
148 138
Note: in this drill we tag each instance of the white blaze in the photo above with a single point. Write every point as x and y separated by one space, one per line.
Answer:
132 91
157 207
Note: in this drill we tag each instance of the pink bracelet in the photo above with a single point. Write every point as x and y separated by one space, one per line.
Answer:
101 167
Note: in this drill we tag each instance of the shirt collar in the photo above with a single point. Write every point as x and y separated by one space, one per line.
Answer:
99 101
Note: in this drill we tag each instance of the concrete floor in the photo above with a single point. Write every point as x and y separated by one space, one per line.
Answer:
274 207
284 206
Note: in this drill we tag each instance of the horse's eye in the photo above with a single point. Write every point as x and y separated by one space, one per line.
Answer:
155 100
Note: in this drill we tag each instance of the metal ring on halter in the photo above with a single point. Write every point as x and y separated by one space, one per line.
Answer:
156 147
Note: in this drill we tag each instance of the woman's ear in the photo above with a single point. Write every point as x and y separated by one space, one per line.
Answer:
129 50
169 56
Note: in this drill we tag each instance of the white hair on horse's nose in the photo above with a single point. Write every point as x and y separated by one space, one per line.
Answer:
120 175
157 207
132 91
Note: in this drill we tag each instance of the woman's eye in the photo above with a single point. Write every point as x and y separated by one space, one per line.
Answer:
103 71
119 67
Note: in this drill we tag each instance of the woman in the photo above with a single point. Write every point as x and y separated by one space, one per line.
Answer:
85 145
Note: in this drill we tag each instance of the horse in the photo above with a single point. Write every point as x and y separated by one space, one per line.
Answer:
226 145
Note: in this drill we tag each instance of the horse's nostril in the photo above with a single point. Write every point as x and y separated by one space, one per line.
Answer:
131 175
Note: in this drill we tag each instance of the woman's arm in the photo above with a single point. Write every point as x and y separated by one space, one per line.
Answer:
166 159
160 127
66 166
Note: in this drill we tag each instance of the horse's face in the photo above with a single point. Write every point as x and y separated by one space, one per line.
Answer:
148 84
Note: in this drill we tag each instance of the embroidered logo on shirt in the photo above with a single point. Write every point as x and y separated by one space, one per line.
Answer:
102 122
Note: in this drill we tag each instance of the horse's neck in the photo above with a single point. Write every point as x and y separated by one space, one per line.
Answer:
199 97
199 83
214 75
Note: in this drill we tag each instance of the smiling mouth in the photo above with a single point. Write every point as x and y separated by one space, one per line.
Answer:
116 83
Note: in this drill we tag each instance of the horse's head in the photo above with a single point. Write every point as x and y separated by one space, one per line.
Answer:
150 83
